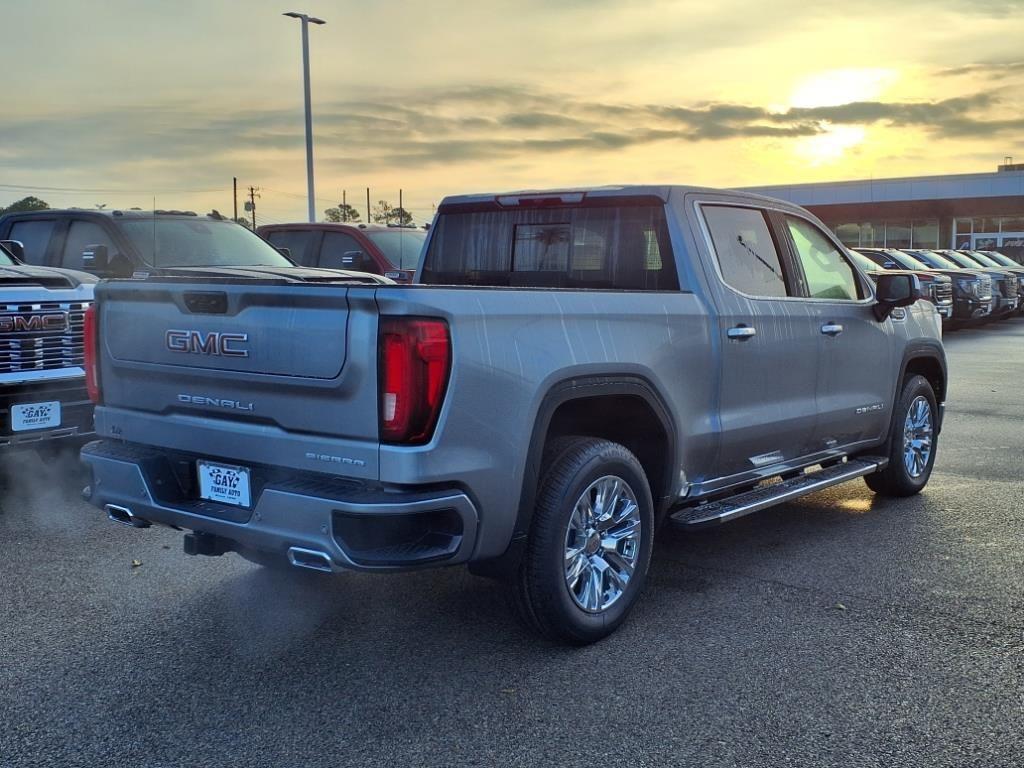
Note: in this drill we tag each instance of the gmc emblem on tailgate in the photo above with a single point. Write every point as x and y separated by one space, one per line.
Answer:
212 343
49 321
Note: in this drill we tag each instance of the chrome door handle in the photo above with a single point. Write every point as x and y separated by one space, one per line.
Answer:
831 329
741 332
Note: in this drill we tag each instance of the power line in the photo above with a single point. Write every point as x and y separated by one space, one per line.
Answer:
102 191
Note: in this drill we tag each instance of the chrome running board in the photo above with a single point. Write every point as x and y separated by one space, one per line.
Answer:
766 496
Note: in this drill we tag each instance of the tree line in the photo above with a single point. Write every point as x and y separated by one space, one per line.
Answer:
382 213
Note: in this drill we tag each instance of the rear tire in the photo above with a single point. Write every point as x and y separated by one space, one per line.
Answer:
912 442
590 541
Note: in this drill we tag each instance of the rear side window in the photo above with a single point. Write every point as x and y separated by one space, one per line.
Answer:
602 247
35 236
296 241
746 252
81 235
828 274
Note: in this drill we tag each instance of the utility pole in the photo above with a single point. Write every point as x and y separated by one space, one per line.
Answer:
306 21
254 192
367 205
401 210
234 184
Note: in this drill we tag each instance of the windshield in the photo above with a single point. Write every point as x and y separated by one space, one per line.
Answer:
199 242
982 259
6 260
907 260
1006 261
960 260
936 260
863 261
401 246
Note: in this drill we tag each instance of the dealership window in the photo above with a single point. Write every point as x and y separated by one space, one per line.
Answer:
849 234
923 233
926 234
897 234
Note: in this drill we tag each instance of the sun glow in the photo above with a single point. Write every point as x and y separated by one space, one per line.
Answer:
829 89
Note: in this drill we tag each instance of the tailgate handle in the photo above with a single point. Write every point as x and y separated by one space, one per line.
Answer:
206 302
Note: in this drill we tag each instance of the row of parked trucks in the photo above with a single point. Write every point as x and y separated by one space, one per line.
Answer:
531 387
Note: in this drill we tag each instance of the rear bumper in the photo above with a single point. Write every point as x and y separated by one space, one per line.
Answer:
355 527
76 411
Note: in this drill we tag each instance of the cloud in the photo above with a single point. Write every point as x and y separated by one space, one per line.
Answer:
995 70
443 126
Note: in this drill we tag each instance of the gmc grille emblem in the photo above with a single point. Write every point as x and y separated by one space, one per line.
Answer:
212 343
50 321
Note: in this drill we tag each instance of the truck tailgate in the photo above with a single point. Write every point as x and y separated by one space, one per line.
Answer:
301 358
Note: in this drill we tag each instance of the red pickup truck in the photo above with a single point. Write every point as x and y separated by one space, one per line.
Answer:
390 251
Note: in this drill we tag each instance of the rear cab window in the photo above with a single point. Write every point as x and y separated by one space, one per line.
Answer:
747 255
602 245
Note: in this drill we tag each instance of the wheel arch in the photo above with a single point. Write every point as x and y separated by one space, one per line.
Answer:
928 360
573 407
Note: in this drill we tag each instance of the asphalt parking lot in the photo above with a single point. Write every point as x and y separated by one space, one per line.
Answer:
839 630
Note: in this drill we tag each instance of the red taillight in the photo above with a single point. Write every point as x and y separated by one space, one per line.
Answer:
415 359
90 330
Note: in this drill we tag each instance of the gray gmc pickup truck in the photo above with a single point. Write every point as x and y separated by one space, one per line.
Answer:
573 369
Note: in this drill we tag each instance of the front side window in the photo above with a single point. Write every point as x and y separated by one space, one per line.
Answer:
81 235
829 275
746 252
336 246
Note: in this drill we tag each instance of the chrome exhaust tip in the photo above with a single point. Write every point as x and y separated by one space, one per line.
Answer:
310 558
124 516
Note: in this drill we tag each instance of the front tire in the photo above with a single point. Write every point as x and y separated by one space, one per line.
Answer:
912 442
590 542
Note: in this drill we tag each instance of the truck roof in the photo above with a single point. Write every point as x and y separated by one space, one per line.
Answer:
335 225
576 194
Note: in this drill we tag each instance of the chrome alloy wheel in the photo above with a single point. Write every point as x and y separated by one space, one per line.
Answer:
917 437
602 543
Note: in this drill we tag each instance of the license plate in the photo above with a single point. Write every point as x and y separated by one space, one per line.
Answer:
223 483
35 416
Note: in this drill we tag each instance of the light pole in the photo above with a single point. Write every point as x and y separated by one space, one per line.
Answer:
306 21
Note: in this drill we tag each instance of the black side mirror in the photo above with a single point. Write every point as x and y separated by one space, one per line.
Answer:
896 291
358 261
95 258
16 248
286 252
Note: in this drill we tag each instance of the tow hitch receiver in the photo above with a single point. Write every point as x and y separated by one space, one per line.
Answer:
199 543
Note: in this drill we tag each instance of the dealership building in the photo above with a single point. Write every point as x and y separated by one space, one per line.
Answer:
973 210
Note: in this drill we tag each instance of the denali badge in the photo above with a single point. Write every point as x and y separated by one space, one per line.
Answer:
215 402
49 321
212 343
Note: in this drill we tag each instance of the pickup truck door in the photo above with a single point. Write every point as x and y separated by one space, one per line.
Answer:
856 377
769 342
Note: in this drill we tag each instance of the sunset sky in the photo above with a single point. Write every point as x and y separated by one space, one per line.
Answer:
118 102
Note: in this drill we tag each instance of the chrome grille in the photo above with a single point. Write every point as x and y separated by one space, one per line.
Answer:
942 293
1010 287
23 351
984 287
